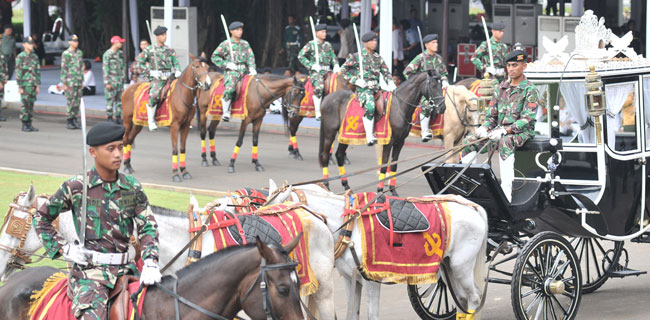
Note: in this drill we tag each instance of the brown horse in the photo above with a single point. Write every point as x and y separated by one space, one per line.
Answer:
183 109
404 101
265 89
461 116
234 283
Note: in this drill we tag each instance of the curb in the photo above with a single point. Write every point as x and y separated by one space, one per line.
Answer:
205 192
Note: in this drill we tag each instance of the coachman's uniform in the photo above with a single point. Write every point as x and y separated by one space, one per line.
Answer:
72 75
115 209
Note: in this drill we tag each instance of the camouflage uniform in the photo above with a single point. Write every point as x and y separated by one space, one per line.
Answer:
114 209
244 59
514 107
291 42
4 75
28 76
161 59
373 67
481 57
307 57
425 62
113 66
72 75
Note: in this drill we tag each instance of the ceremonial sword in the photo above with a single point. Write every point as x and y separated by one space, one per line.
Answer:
356 37
225 28
313 32
84 199
489 43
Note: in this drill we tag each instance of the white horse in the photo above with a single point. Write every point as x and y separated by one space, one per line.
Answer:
466 253
173 228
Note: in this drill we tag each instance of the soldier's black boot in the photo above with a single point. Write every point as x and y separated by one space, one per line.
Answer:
27 127
118 120
109 119
76 123
71 125
31 128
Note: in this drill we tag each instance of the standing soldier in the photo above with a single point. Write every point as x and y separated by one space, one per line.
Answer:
291 42
481 57
367 84
28 76
113 65
425 61
318 70
235 58
72 77
161 61
4 77
116 205
510 120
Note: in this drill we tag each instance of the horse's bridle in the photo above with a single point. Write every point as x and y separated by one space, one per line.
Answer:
463 118
18 228
292 109
203 85
428 93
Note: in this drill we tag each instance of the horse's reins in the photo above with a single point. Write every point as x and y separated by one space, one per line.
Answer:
463 121
257 88
192 89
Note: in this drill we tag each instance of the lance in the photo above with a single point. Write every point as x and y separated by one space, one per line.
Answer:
313 32
356 37
84 199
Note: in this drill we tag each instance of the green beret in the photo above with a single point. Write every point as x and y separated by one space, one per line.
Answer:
159 30
235 25
368 36
320 26
103 133
517 56
430 37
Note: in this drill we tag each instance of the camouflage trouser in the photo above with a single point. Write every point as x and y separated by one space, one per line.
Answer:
366 97
155 86
114 100
317 80
73 98
292 56
230 80
506 145
27 98
89 299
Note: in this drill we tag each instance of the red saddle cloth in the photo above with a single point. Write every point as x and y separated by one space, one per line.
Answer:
352 130
238 108
163 112
52 302
307 108
413 257
437 125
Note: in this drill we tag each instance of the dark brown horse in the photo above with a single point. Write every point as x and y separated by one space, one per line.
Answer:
404 101
222 283
183 109
263 90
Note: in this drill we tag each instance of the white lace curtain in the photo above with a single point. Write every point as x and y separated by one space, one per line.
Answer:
574 97
646 104
616 96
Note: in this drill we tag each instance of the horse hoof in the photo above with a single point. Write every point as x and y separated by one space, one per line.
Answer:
176 178
393 192
215 162
298 156
346 160
231 169
259 168
187 176
346 186
204 163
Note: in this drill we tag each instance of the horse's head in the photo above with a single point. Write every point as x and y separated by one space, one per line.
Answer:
293 97
432 88
200 68
464 103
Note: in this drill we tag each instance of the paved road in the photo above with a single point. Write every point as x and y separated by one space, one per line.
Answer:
55 149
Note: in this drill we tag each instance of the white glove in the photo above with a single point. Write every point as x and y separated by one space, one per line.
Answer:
154 73
252 71
481 132
337 68
500 73
231 66
497 134
150 273
445 84
76 254
490 70
177 74
391 86
316 67
360 83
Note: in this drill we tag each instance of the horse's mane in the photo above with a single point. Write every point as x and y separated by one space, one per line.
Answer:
167 212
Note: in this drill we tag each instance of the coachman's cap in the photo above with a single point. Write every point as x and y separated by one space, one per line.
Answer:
430 37
74 38
28 40
235 25
103 133
320 26
517 56
160 30
498 25
368 36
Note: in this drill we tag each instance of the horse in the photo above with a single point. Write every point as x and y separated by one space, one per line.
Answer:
465 256
232 285
173 235
266 89
460 117
181 100
404 101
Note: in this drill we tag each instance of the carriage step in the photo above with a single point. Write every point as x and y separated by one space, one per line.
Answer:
620 271
499 281
644 238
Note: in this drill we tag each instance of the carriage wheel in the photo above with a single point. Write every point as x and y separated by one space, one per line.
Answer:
597 258
432 301
546 281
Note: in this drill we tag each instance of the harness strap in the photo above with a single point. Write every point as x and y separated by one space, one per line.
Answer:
187 302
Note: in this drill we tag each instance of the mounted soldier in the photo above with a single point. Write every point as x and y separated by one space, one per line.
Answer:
317 56
425 61
510 120
116 204
162 62
364 75
72 77
235 56
481 57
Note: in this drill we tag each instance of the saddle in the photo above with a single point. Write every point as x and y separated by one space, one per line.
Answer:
405 216
380 103
251 226
164 90
119 298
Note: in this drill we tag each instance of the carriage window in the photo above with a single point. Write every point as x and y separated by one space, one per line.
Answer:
574 123
646 107
621 116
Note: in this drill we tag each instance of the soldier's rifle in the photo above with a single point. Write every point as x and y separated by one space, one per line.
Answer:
84 199
356 37
313 32
487 40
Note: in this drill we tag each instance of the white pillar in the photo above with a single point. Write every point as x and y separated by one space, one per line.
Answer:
68 18
169 7
27 18
366 15
386 32
345 9
135 29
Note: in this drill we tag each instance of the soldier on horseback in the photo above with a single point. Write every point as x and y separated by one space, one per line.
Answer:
318 69
162 61
481 59
425 61
116 204
235 56
367 81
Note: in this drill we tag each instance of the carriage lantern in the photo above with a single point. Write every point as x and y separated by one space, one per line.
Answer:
485 90
595 99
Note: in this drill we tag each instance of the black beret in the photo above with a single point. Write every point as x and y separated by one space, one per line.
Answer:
159 30
103 133
28 40
320 26
498 25
368 36
235 25
430 37
516 56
